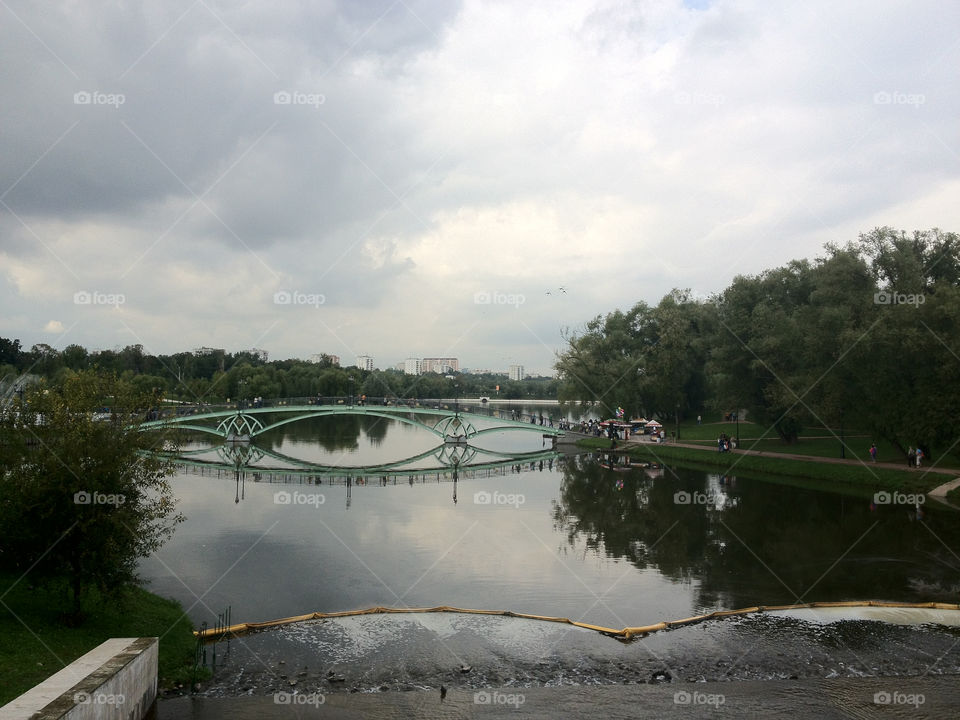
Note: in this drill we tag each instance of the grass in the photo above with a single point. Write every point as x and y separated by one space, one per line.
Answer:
873 478
816 442
36 644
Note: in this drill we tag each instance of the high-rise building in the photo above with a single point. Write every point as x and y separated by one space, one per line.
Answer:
364 362
260 354
516 372
441 365
412 366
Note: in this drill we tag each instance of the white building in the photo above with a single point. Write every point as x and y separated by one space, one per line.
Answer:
516 372
442 365
412 366
260 354
364 362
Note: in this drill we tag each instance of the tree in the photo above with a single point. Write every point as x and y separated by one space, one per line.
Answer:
81 498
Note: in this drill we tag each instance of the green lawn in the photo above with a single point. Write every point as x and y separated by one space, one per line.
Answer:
35 644
818 442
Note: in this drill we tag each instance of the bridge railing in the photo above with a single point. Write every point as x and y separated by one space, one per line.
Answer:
186 409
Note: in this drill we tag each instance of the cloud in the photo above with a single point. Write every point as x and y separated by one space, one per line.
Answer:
54 326
621 149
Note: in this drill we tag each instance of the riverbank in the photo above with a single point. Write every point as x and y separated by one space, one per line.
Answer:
36 643
872 476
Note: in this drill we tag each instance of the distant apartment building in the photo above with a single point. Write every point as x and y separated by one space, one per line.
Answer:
364 362
318 358
262 355
412 366
208 351
516 372
440 365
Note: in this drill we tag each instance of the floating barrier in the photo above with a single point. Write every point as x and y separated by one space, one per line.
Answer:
624 634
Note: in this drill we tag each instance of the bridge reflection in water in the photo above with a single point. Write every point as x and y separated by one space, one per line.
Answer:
446 462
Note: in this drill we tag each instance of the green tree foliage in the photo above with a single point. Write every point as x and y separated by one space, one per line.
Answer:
79 503
864 336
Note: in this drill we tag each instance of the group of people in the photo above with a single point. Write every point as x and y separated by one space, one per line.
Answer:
725 444
914 455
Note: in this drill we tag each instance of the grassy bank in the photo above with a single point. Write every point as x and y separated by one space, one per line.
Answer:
872 478
814 441
36 644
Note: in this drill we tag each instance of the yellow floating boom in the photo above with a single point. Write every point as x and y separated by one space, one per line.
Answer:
625 634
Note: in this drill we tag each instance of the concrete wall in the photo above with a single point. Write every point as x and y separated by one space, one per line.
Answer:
117 679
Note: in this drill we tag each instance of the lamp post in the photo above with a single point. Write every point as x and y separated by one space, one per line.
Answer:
352 381
738 427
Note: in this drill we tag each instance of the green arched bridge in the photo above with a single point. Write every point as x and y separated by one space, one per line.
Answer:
248 423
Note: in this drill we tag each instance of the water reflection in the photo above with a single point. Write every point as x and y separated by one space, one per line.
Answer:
751 542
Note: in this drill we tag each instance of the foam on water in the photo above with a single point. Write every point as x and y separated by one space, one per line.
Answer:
894 616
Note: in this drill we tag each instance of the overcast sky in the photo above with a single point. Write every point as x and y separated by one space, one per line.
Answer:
417 178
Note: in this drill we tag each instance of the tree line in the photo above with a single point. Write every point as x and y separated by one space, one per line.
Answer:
864 337
217 376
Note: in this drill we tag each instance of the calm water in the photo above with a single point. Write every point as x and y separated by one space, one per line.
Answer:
569 538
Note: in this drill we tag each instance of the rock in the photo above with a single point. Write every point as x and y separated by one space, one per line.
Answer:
464 668
661 676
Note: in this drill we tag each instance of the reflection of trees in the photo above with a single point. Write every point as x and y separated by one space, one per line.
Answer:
767 544
633 521
333 433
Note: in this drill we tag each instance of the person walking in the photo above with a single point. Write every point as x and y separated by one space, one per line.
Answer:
919 456
873 452
911 456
